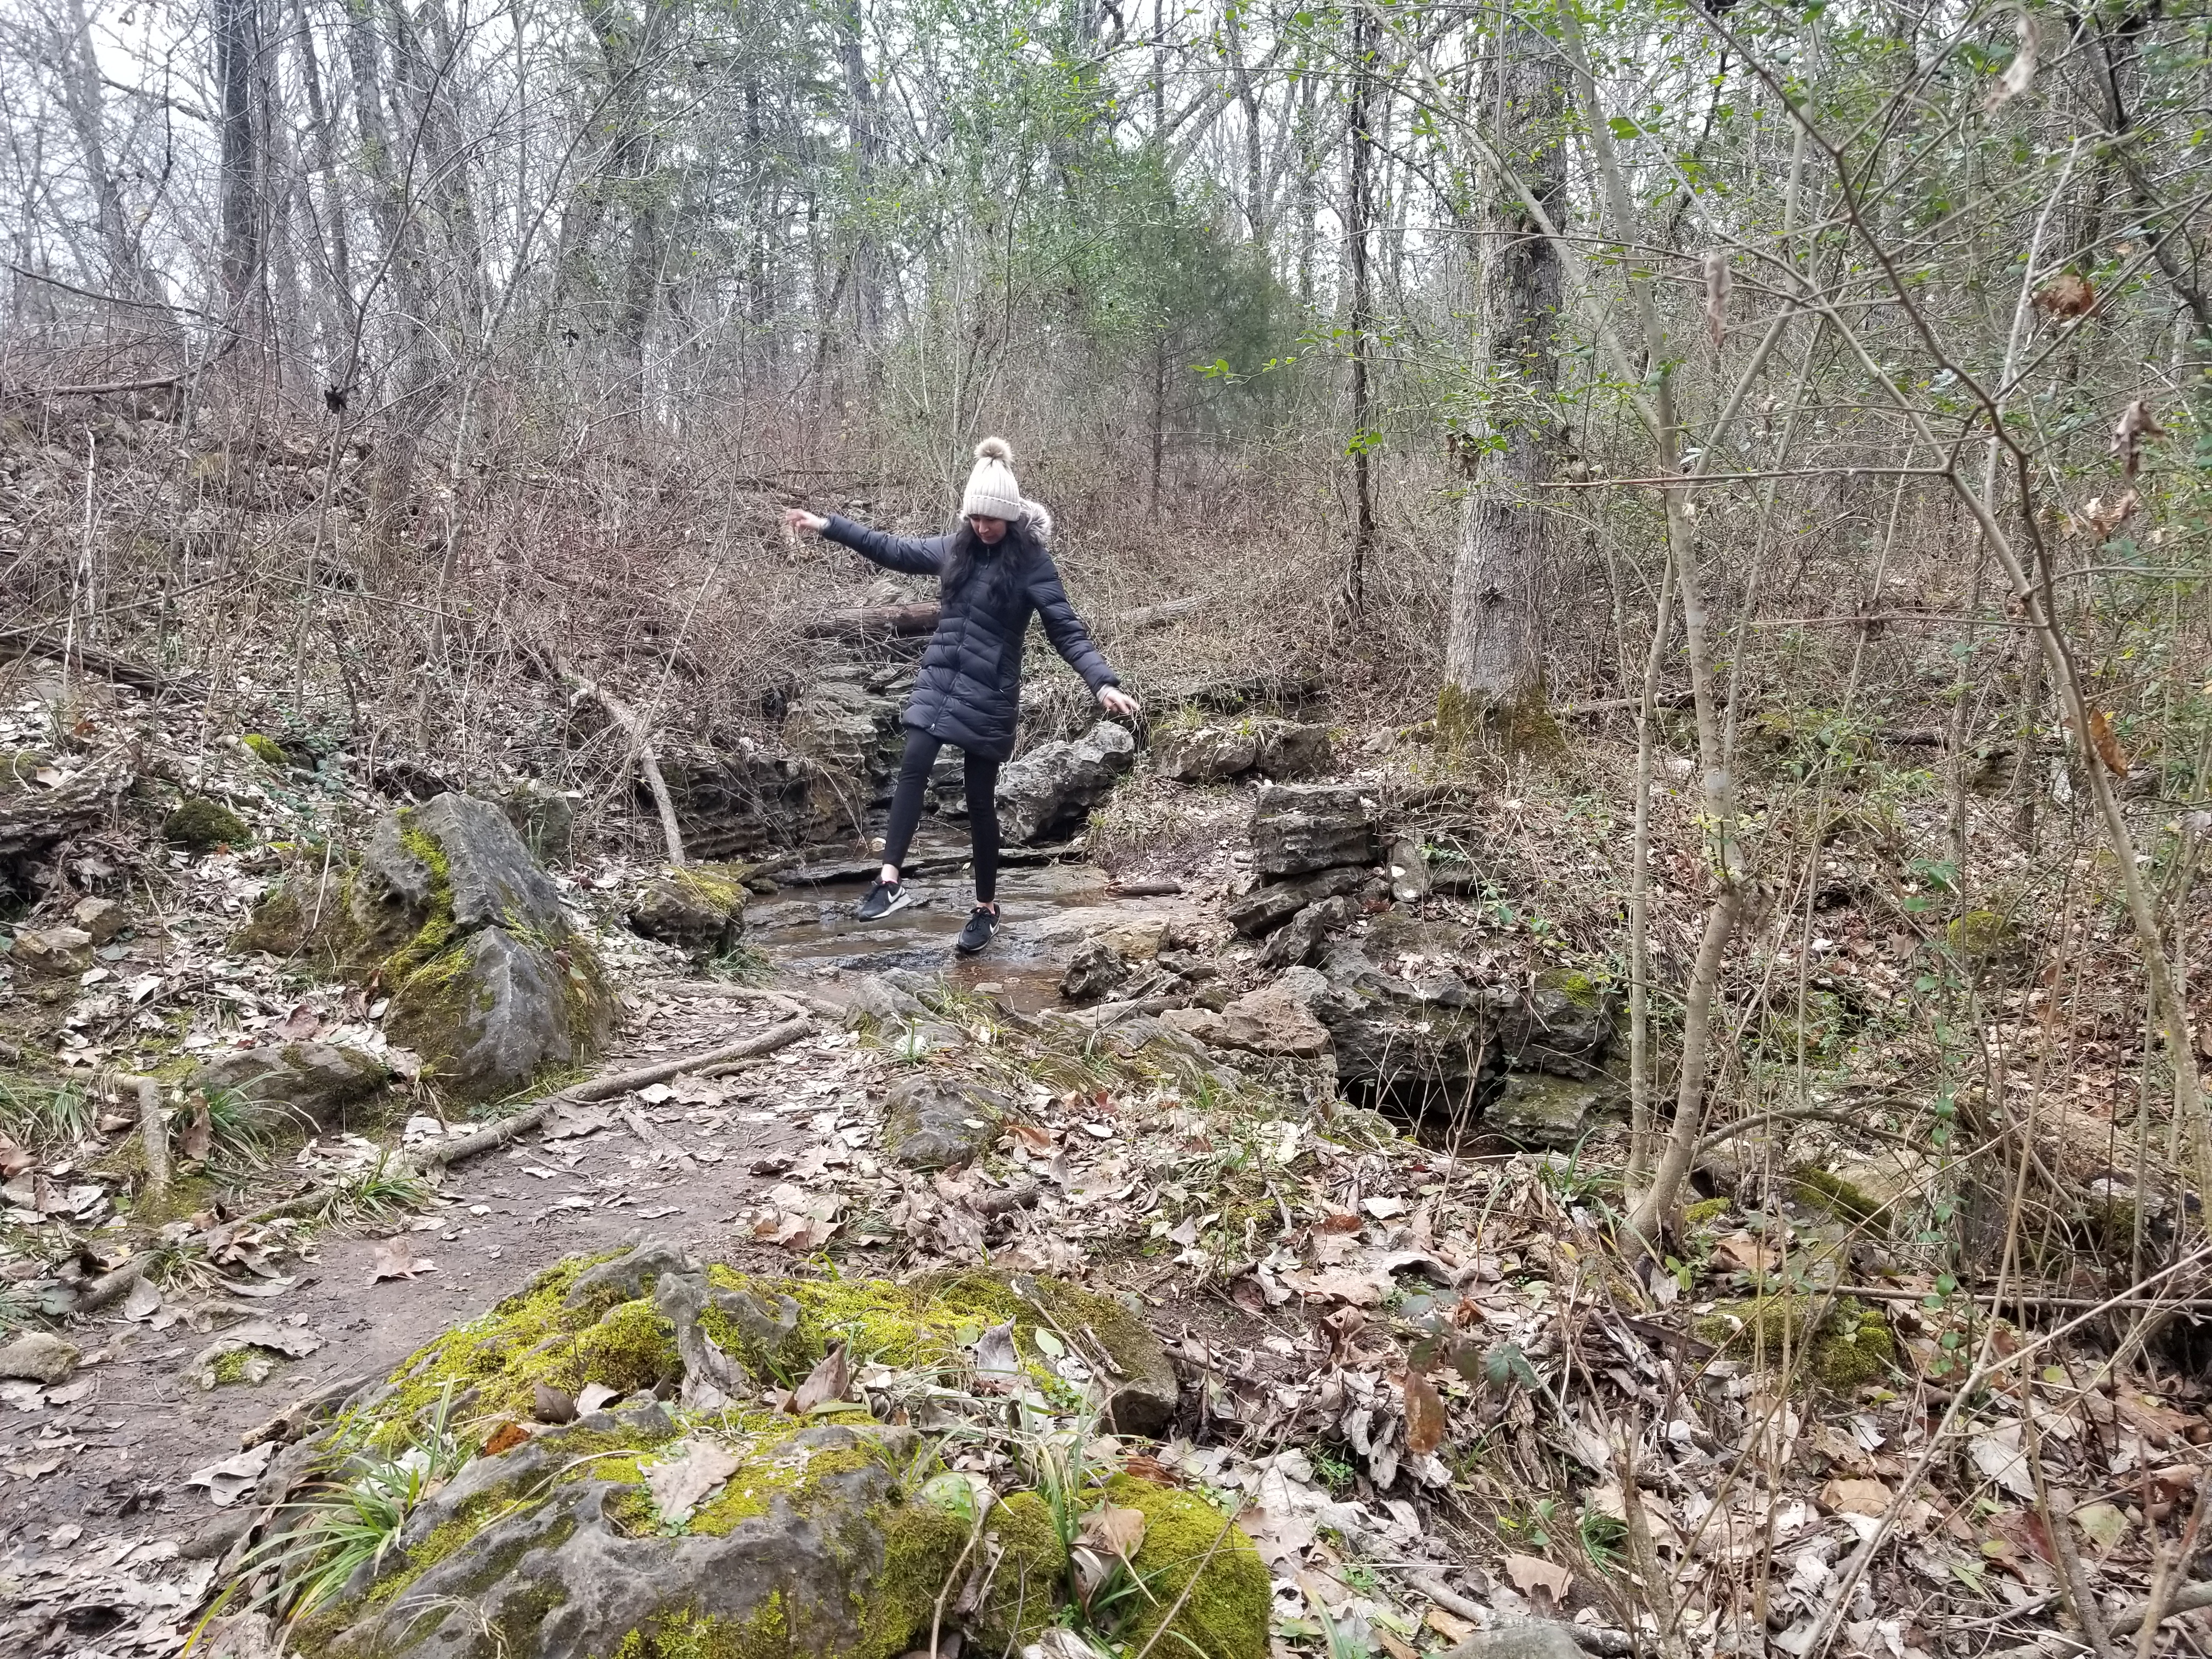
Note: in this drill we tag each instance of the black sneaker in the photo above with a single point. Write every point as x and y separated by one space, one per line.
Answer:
981 924
882 898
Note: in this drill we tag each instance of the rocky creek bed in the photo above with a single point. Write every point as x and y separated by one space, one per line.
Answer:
651 1263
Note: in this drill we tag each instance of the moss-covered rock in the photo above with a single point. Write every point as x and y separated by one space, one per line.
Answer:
1840 1347
201 825
265 750
1202 1586
1983 940
699 909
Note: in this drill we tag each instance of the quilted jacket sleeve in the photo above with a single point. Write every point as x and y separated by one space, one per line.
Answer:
918 555
1065 628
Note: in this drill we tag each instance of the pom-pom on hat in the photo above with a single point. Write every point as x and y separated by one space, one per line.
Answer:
992 491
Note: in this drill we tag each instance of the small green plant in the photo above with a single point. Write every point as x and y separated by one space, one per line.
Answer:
355 1521
40 1115
744 965
1604 1537
386 1188
1332 1469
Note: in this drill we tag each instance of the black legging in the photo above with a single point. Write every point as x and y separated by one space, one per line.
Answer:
983 777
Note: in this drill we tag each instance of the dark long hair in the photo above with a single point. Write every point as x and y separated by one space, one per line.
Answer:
1004 566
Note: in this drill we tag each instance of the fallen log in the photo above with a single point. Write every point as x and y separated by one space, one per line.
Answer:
874 621
603 1088
33 816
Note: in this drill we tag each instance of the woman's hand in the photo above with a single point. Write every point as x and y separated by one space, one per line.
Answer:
796 518
1115 701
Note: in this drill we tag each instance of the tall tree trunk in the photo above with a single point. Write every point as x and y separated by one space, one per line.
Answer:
1358 219
237 53
1494 668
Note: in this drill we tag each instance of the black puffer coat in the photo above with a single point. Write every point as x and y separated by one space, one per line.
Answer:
970 687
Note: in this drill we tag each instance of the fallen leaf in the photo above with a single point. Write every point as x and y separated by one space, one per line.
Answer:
233 1477
1424 1415
997 1367
396 1259
199 1132
2000 1460
2019 74
552 1405
696 1472
2106 745
143 1302
2136 423
506 1438
1856 1497
825 1385
1531 1573
594 1395
1340 1285
1116 1529
2067 295
2102 1525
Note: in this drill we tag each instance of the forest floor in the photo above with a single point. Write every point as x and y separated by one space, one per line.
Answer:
1422 1377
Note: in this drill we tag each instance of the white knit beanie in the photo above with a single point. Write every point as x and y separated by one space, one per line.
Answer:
992 492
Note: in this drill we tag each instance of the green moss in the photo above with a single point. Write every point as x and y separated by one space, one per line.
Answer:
1704 1210
277 925
1850 1346
1583 989
921 1544
532 1326
773 1469
1225 1614
1824 1189
232 1367
201 825
766 1634
719 886
1031 1581
1981 937
1512 727
268 751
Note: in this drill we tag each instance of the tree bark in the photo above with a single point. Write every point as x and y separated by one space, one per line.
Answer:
237 52
1358 217
1494 671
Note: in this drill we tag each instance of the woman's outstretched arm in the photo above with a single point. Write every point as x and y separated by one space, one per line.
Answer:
1072 640
918 555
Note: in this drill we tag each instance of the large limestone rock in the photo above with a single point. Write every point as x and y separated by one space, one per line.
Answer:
1211 753
1269 907
675 1521
1278 1018
1051 789
847 731
1553 1113
311 1084
489 983
1297 827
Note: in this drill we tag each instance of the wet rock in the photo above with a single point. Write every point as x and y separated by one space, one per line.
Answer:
1266 908
38 1357
1050 790
1096 969
930 1124
699 909
1407 867
101 917
1298 827
1299 942
53 952
302 1082
1278 1018
1531 1109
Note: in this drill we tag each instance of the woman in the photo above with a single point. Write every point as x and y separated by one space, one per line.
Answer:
992 572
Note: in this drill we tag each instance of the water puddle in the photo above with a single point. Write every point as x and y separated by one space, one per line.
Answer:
1047 909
